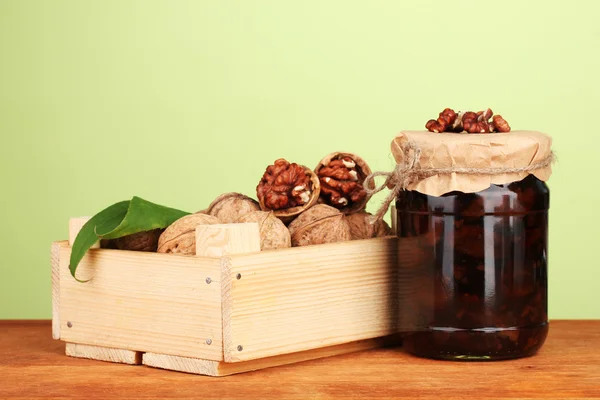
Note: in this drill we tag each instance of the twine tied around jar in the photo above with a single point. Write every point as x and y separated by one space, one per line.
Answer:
410 171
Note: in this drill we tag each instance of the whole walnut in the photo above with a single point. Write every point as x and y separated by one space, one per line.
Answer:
273 233
319 224
180 236
229 207
141 241
362 228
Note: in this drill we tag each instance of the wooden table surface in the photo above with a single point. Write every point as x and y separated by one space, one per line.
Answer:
32 365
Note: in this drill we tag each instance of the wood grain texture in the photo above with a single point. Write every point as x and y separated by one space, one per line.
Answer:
75 225
182 364
103 353
219 368
219 240
223 241
33 366
55 276
138 301
226 239
302 298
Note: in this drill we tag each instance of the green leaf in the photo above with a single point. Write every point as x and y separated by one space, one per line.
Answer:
142 215
107 219
121 219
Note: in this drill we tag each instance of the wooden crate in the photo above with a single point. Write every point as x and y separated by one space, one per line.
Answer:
229 309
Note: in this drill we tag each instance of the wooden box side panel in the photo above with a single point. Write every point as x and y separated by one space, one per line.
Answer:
55 277
308 297
144 302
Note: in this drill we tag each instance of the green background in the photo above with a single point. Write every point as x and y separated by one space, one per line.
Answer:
179 101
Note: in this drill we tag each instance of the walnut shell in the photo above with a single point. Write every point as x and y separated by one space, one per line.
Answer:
229 207
141 241
362 169
180 236
273 233
319 224
288 214
362 228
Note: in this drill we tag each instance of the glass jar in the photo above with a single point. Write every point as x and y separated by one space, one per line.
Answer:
477 266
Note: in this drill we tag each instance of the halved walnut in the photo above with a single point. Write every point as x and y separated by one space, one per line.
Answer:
287 189
342 177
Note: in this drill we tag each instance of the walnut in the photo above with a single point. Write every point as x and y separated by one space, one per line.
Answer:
287 189
141 241
273 233
341 176
362 228
478 122
180 236
471 122
319 224
500 124
229 207
446 118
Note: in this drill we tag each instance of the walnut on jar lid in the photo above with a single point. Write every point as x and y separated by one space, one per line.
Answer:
287 189
342 176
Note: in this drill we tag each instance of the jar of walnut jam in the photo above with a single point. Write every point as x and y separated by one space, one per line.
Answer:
473 264
483 280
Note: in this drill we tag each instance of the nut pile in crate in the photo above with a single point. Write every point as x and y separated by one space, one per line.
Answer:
294 206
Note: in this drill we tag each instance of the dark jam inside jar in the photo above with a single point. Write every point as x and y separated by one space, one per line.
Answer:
475 265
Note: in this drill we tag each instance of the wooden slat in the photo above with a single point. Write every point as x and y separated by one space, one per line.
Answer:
182 364
144 302
219 368
55 271
103 353
302 298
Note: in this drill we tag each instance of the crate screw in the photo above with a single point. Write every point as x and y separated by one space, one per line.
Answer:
69 324
240 348
209 341
208 280
238 276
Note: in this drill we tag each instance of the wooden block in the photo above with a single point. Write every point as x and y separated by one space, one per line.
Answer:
182 364
219 368
309 297
103 353
75 225
161 303
55 261
225 239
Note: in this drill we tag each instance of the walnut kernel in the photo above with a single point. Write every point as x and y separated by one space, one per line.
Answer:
287 189
342 176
